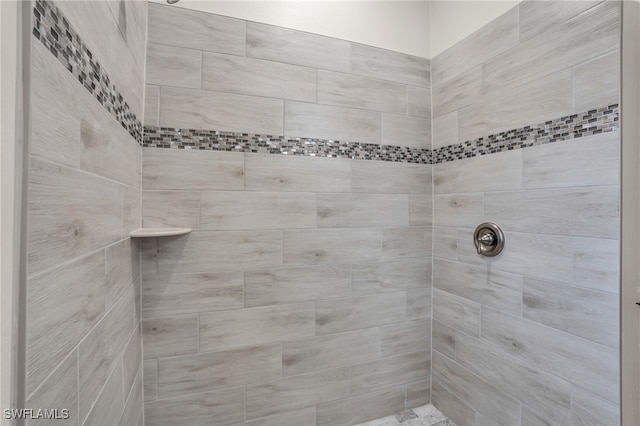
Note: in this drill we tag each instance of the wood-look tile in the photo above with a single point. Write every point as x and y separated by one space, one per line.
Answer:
193 253
584 363
420 210
192 170
391 178
109 405
134 403
309 120
536 18
292 393
131 210
389 65
195 30
353 91
150 373
391 371
419 304
444 339
478 47
463 210
445 130
231 210
325 246
597 82
63 304
122 269
401 130
176 294
585 313
203 372
350 411
405 337
247 76
487 400
149 256
132 362
266 172
418 394
531 418
589 409
585 36
546 393
171 209
596 264
589 160
456 409
418 101
362 210
173 66
394 275
585 211
297 47
410 242
170 336
225 406
457 312
304 416
332 351
445 242
151 105
458 92
202 109
291 285
334 316
233 329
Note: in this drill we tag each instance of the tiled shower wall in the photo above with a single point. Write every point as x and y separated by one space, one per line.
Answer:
531 336
303 294
83 340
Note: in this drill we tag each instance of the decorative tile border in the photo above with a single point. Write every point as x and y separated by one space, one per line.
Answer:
55 33
592 122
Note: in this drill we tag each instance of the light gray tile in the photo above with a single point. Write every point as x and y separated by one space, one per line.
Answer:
292 393
390 371
458 92
500 290
247 76
192 170
171 209
305 416
170 336
231 210
491 403
190 374
131 210
330 122
150 374
544 392
493 38
173 294
405 337
70 213
459 411
110 403
420 210
291 285
63 304
394 275
580 361
133 406
148 256
389 65
266 172
401 130
596 265
597 82
334 316
457 312
335 350
195 30
225 406
464 210
583 37
444 339
537 18
362 210
351 411
173 66
531 418
122 269
233 329
59 390
445 130
445 242
323 246
193 253
201 109
585 313
586 211
353 91
151 105
589 160
132 362
297 47
496 172
406 242
418 395
419 102
388 177
418 304
590 409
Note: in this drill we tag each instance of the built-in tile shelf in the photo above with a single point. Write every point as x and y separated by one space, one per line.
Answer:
158 232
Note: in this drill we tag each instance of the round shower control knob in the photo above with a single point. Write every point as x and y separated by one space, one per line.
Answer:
488 239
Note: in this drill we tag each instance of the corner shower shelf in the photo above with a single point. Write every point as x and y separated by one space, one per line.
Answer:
158 232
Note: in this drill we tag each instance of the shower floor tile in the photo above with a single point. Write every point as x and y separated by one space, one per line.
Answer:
427 415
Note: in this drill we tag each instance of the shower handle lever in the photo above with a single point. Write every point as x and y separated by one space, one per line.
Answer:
486 239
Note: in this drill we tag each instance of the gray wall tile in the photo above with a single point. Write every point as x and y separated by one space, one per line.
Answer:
394 275
110 403
536 18
458 209
444 339
304 416
386 372
325 246
362 210
400 130
170 336
171 209
418 101
457 410
391 178
360 409
134 404
420 210
531 418
457 312
150 374
122 269
418 304
588 408
132 363
173 66
389 65
597 82
405 337
445 242
151 105
445 130
595 264
458 92
406 242
418 394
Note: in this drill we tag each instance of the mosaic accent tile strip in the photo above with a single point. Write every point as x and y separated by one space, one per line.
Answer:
600 120
53 30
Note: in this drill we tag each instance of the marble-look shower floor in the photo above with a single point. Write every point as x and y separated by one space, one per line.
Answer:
427 415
